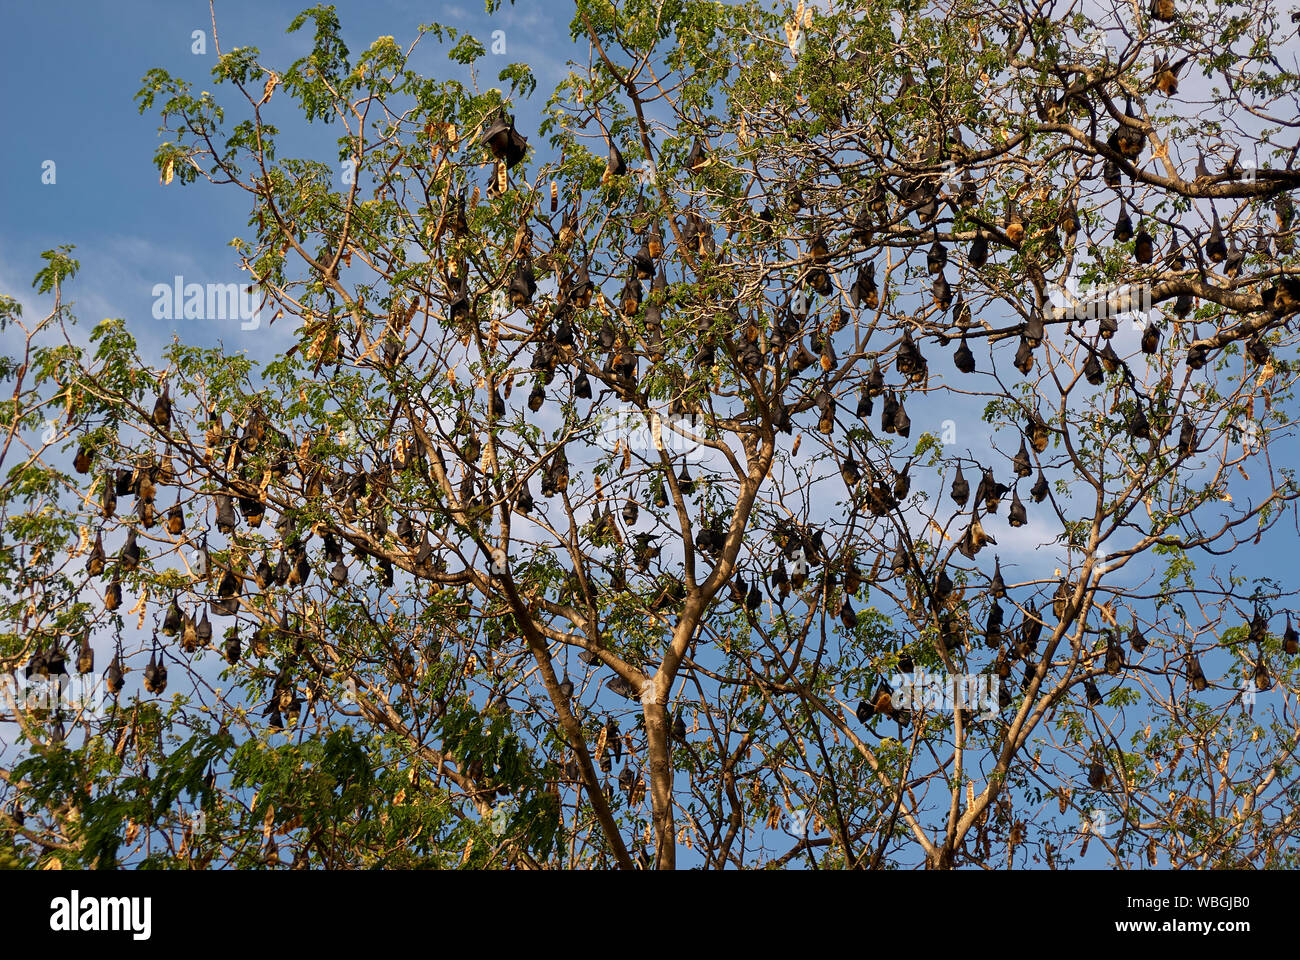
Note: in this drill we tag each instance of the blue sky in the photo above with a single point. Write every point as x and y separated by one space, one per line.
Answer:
129 230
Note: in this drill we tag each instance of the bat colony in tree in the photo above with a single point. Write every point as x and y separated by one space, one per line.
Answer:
421 610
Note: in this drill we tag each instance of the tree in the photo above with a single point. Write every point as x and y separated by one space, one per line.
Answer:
618 503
